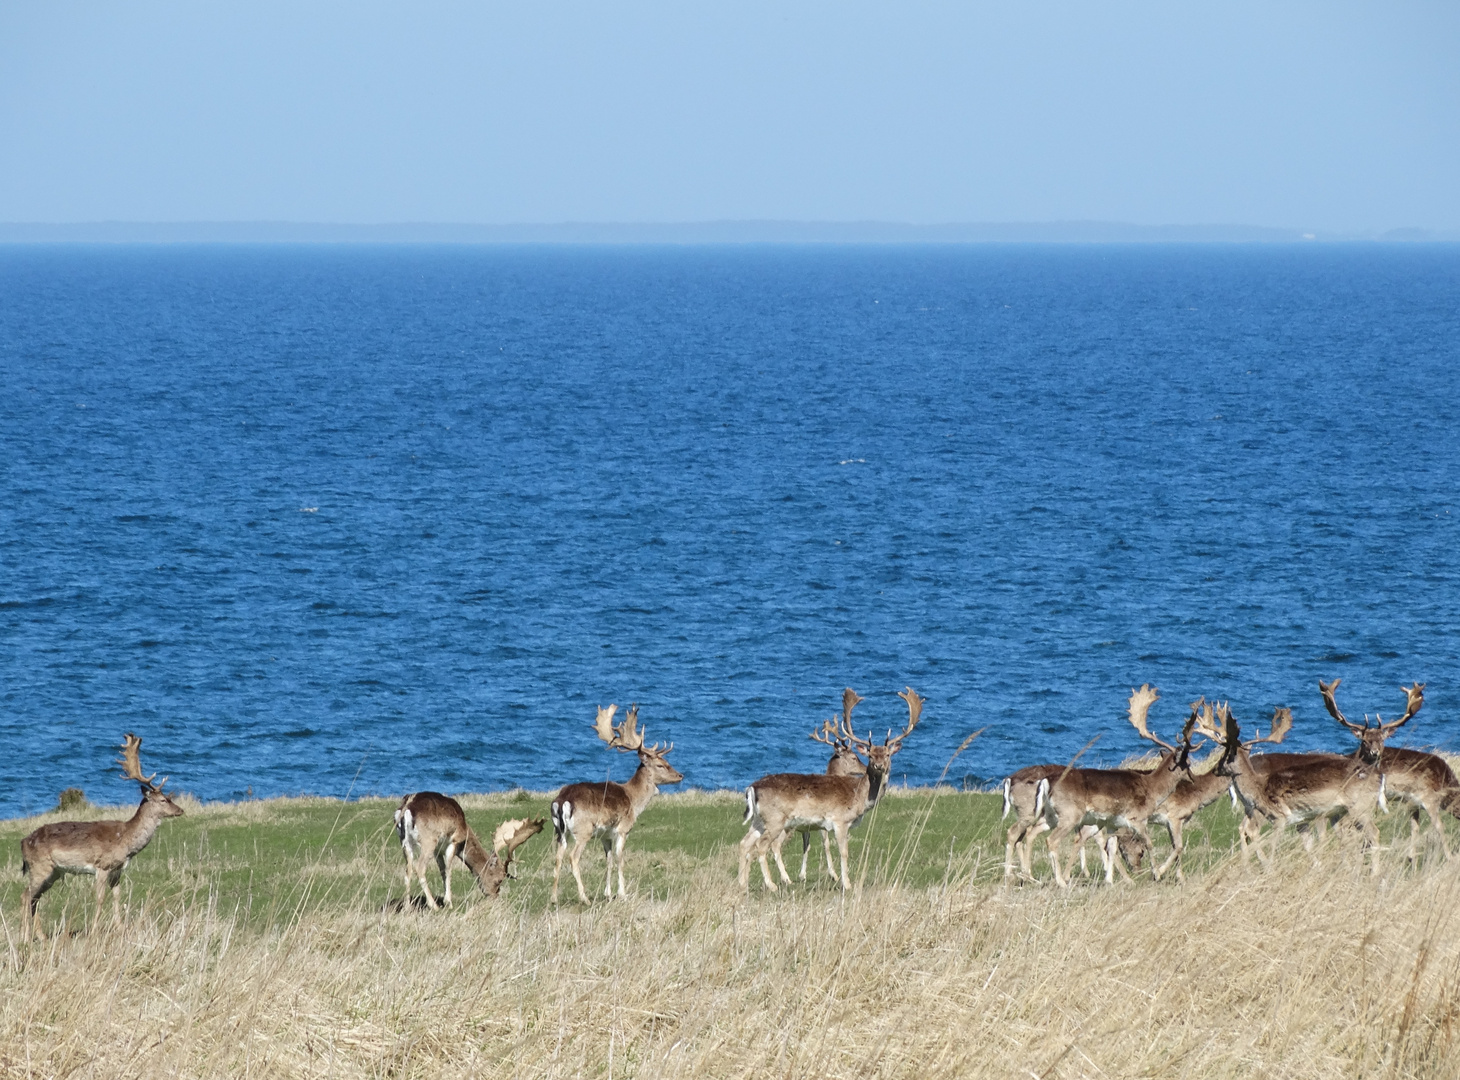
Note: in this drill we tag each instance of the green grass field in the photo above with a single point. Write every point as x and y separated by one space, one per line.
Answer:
269 860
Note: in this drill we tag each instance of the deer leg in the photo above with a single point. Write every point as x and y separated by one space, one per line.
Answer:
101 887
1012 840
608 865
1174 829
444 865
1086 831
618 860
425 885
776 852
826 850
805 852
562 849
39 884
843 836
115 882
1054 841
747 852
573 861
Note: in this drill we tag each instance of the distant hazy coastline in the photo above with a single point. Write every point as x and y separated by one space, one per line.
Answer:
704 232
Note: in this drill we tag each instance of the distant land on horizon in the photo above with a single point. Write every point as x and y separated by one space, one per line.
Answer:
707 232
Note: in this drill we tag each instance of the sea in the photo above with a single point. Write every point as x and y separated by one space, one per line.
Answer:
361 520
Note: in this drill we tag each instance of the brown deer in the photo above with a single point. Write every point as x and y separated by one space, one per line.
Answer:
1423 780
1022 797
778 804
433 826
1313 791
1116 798
100 848
845 761
607 810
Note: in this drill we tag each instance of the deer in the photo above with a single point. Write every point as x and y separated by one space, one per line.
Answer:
845 761
1318 789
606 810
1423 780
99 848
783 802
1115 798
1022 796
431 825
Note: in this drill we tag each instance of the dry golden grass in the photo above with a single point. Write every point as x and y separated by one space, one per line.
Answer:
1313 969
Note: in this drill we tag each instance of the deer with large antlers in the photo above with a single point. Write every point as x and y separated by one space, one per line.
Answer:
1424 781
606 810
784 802
99 848
1116 798
1313 790
845 761
433 826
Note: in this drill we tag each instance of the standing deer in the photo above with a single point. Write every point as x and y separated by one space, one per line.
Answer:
1425 781
99 848
431 825
1116 798
1023 796
1316 790
783 802
607 810
844 762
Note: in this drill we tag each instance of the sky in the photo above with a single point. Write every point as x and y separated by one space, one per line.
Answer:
1289 113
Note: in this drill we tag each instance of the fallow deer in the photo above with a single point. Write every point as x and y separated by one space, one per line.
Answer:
1022 797
607 810
844 762
433 826
778 804
1423 780
1115 798
100 848
1317 790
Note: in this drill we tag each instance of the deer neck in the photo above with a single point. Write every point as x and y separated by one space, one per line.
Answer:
875 782
481 863
640 789
1165 779
142 825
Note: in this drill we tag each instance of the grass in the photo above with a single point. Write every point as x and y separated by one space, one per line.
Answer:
255 944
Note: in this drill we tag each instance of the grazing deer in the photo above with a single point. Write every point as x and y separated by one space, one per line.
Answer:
100 848
1023 795
778 804
1317 790
844 762
1425 781
431 825
607 810
1115 798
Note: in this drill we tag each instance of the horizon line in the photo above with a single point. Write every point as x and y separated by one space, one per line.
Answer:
722 231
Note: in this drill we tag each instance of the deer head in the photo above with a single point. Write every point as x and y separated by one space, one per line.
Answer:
131 763
843 756
1371 737
628 737
879 758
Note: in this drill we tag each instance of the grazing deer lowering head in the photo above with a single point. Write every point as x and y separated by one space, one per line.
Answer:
99 848
607 810
1116 798
431 825
785 802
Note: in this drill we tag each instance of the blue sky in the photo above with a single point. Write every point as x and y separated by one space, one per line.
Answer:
1331 115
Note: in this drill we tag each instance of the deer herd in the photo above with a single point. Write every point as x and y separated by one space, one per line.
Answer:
1115 807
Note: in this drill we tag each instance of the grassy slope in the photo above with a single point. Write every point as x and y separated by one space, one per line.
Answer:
255 945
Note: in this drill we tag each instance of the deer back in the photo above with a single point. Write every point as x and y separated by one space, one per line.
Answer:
433 818
783 797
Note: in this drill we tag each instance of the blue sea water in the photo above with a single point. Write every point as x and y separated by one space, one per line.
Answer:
370 520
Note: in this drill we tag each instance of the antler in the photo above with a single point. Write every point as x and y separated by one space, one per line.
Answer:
850 700
829 734
1282 723
1327 689
1416 700
914 714
1140 704
511 835
131 763
621 736
1206 722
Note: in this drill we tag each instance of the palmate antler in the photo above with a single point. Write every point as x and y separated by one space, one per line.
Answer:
829 734
850 699
1414 701
1140 704
511 835
624 736
131 763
